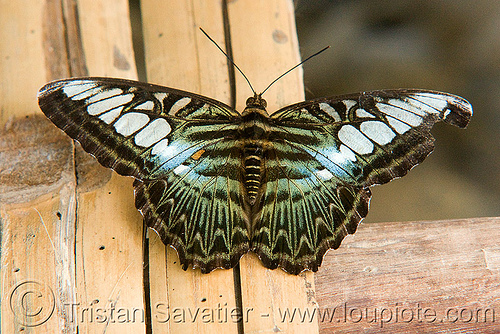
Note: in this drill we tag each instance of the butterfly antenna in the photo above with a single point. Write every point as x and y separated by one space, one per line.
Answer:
290 70
229 58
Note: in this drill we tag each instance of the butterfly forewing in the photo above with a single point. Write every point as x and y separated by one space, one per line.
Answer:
133 127
372 137
214 189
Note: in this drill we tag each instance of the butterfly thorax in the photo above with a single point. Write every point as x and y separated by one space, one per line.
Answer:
254 133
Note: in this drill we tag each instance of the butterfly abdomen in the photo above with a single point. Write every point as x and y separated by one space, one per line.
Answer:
254 130
253 163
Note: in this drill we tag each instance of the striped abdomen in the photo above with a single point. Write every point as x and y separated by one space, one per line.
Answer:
253 165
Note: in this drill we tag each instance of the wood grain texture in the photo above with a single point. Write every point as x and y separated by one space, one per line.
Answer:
413 277
21 38
79 238
36 206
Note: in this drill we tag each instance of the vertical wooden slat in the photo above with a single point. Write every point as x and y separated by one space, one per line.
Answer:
20 51
34 252
178 55
265 45
109 237
81 243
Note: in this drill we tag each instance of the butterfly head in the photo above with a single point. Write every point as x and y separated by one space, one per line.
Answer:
256 104
256 101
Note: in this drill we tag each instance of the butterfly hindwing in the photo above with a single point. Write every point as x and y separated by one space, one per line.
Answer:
303 211
198 208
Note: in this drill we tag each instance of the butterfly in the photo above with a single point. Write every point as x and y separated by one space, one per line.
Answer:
216 183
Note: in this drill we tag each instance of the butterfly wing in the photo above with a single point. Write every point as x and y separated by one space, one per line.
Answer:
180 148
324 156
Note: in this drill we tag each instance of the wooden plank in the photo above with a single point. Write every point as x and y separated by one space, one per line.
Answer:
415 277
109 234
40 224
265 45
35 204
20 51
179 56
36 210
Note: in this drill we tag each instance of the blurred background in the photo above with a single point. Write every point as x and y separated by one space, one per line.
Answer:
446 45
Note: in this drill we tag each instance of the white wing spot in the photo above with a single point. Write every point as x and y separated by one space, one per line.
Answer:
179 105
160 147
399 126
377 131
340 156
87 93
336 157
131 122
349 104
104 95
363 113
77 87
400 114
160 96
111 115
324 174
102 106
152 133
414 106
432 103
330 111
355 140
181 170
148 105
347 153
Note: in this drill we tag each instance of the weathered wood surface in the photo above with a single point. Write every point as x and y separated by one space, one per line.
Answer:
413 277
80 237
